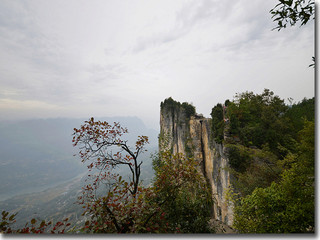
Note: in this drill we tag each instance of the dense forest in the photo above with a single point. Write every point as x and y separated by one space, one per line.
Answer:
271 157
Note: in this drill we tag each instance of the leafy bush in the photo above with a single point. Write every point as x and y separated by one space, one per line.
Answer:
183 193
217 123
239 157
173 105
189 109
286 206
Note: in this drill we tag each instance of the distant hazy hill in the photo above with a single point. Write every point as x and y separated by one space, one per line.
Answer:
37 154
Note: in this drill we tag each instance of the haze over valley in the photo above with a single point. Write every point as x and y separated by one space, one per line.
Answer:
36 154
224 91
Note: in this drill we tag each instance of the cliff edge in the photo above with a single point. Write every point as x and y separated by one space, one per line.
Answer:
184 131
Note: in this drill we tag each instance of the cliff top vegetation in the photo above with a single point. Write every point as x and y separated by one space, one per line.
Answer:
173 105
270 148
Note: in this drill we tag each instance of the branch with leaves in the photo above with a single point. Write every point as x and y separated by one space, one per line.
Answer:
97 140
120 208
292 12
33 227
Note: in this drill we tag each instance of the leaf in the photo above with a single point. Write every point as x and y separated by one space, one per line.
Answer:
11 218
33 221
42 224
4 214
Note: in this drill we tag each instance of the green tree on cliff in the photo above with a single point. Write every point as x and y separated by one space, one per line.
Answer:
258 119
183 193
217 122
271 158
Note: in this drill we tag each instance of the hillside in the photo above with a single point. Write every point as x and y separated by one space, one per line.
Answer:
257 155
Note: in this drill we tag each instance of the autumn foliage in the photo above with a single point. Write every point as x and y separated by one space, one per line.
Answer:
116 204
177 200
33 226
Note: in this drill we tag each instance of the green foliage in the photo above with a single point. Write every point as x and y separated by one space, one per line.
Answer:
173 105
239 157
272 163
183 194
217 123
178 201
125 206
189 109
170 104
258 119
256 168
287 206
118 211
300 112
292 12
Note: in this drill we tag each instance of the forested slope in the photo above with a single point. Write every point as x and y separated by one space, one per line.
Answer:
271 158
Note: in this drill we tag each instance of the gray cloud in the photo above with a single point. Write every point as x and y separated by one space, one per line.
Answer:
74 58
33 63
19 33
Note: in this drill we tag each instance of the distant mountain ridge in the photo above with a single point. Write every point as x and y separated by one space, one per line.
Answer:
38 153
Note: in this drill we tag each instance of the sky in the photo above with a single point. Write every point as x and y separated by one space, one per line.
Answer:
97 58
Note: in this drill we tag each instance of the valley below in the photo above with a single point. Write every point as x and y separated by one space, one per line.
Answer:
53 204
41 177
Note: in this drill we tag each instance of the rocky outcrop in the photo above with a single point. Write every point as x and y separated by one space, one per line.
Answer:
191 134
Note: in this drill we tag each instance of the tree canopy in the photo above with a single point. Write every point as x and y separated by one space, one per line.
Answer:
271 157
286 206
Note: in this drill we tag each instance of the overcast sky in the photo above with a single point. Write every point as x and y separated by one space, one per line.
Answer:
122 58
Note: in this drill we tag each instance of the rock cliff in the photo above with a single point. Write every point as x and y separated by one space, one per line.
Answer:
184 131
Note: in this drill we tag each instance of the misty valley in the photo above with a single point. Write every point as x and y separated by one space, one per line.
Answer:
158 117
39 174
253 158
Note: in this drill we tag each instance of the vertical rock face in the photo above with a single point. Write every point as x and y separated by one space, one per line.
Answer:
174 125
191 135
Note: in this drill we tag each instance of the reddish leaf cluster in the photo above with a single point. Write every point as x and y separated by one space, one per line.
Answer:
32 227
124 205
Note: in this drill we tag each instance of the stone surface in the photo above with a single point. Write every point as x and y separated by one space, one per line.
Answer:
221 228
192 137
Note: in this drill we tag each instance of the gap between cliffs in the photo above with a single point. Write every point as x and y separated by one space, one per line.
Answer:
213 215
202 151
